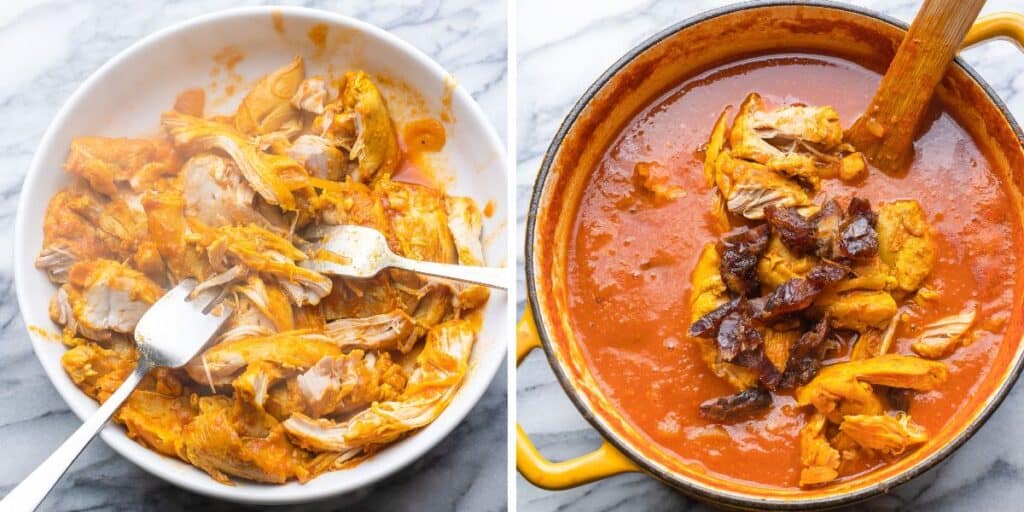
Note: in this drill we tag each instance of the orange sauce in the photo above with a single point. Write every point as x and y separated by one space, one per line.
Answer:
418 140
228 57
318 36
447 115
630 262
277 19
489 208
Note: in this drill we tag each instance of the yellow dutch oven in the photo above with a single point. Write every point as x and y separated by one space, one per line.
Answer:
662 61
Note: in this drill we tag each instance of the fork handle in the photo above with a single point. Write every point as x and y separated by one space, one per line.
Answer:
32 490
487 276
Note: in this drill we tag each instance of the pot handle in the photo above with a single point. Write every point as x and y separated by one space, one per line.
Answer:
1000 25
596 465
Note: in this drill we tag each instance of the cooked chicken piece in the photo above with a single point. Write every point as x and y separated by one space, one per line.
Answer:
707 292
388 331
434 307
81 225
345 383
165 215
941 337
284 399
299 350
273 177
872 274
268 106
852 167
103 297
99 371
418 221
70 233
778 265
263 251
358 298
312 95
319 157
439 371
873 342
465 223
356 204
843 389
652 180
777 343
715 143
106 162
750 187
212 443
359 122
906 242
253 384
757 135
156 420
270 300
859 310
216 193
820 460
887 434
466 226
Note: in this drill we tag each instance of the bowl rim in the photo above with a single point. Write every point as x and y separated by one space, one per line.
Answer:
693 489
112 434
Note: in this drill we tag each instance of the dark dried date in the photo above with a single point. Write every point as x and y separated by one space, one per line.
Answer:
707 325
795 231
799 293
857 236
740 251
805 356
742 405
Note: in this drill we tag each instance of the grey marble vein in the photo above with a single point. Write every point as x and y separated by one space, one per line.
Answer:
562 47
48 48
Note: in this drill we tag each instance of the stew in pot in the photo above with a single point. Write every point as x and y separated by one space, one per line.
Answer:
759 301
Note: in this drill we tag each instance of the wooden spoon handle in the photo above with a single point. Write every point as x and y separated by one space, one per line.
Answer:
885 132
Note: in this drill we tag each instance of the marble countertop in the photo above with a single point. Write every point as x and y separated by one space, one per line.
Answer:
48 48
562 49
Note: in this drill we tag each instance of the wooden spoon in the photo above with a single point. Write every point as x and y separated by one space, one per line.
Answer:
885 132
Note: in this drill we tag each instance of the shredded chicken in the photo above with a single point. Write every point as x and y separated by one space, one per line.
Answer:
230 201
941 337
439 370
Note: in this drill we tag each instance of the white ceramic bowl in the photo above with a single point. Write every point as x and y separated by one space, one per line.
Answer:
125 98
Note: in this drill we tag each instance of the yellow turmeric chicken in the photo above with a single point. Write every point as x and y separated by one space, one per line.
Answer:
311 373
802 293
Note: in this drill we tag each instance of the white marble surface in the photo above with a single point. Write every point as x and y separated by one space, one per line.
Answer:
47 49
562 48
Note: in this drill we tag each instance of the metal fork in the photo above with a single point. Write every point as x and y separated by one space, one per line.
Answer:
172 332
357 251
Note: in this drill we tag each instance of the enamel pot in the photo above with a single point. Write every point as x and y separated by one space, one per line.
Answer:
665 60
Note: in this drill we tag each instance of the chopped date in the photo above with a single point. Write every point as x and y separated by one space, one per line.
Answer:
742 405
805 356
707 325
799 293
794 295
737 334
827 223
797 233
827 272
740 251
857 235
757 361
799 371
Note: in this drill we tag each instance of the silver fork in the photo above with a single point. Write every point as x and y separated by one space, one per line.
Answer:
172 332
357 251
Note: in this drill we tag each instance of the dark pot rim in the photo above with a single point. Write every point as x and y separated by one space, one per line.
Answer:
609 434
